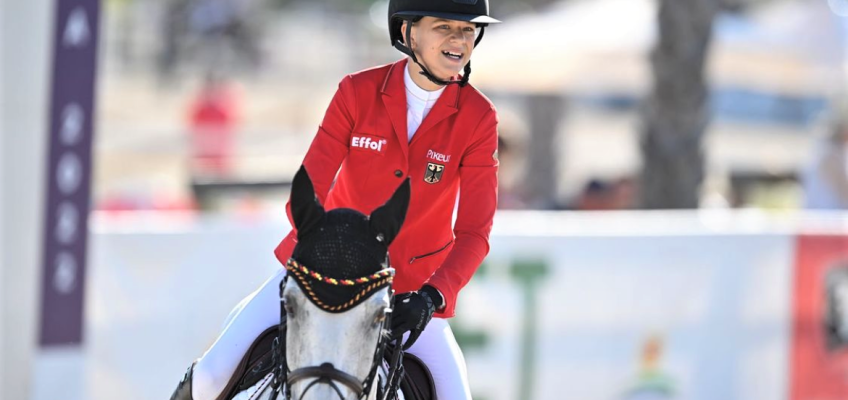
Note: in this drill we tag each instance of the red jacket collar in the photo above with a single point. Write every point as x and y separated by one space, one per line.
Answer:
394 99
393 86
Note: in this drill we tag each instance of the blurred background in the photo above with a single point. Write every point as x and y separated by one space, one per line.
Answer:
673 187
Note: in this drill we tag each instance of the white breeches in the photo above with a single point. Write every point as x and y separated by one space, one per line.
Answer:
438 349
257 312
260 310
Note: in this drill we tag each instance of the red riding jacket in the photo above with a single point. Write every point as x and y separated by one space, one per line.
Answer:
453 152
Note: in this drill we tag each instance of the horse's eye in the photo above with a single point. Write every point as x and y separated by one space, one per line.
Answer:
289 309
381 316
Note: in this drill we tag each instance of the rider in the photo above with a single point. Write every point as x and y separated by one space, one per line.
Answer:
417 118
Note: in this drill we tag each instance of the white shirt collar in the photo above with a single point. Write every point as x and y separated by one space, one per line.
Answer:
418 95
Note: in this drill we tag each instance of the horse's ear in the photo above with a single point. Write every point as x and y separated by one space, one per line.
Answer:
307 212
388 218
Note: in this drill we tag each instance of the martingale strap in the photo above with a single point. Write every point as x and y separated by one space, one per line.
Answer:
319 294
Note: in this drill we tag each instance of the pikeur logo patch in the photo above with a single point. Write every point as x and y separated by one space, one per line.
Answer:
433 174
365 142
436 156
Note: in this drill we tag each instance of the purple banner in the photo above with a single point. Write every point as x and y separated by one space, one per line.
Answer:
69 172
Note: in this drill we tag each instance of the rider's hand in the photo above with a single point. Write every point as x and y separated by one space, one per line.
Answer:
412 312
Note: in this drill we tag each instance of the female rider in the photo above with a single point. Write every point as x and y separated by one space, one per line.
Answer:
417 118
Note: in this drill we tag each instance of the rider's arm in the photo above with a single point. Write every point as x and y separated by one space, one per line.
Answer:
478 194
326 153
332 142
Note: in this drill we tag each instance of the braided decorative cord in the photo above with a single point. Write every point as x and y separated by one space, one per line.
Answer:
293 265
377 280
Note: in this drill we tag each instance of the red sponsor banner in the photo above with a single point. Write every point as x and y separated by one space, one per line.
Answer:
819 354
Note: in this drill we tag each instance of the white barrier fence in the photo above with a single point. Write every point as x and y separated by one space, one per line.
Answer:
650 305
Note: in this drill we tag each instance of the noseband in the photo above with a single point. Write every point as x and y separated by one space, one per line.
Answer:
326 373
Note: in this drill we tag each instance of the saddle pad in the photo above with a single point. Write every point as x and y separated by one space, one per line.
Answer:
256 364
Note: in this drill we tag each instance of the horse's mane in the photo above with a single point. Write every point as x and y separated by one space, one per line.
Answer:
342 247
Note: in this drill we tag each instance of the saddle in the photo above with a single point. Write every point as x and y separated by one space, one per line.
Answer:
416 384
255 366
417 381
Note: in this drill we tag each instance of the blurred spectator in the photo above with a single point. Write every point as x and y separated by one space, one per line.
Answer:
218 34
600 195
173 30
596 195
652 383
225 22
123 201
213 119
508 196
825 180
624 193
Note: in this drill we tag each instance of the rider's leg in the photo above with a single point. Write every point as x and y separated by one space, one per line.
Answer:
183 391
438 349
253 315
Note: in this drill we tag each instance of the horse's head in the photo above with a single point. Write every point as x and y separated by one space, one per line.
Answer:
337 293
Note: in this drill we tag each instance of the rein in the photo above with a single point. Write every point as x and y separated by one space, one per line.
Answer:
326 373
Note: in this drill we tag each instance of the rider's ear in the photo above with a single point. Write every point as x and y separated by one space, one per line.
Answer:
306 211
403 32
388 218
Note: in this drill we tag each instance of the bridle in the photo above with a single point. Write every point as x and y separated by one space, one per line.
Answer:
326 373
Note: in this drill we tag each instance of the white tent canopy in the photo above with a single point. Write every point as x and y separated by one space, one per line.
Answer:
603 45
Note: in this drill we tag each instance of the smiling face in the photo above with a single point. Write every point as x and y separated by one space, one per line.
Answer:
443 46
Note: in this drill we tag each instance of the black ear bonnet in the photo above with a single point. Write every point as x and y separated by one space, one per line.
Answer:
343 247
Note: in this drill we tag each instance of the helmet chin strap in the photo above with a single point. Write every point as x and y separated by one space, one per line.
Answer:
407 49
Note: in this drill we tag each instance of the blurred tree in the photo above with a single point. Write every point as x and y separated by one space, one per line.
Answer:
500 7
330 5
544 113
675 114
738 6
530 274
535 4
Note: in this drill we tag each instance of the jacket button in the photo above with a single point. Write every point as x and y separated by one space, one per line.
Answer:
398 173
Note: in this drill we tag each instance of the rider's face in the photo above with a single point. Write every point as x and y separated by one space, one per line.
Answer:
443 46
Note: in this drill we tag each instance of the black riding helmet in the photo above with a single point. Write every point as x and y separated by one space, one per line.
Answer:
475 11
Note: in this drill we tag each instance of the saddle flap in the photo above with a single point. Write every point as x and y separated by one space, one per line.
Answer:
256 364
260 359
417 383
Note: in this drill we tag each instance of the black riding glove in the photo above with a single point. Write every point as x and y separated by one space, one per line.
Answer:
413 311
